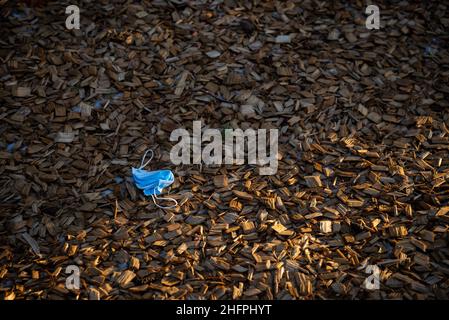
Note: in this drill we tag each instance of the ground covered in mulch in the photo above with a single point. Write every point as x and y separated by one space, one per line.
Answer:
363 145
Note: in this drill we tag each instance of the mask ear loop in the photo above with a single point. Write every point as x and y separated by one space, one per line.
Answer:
143 165
166 198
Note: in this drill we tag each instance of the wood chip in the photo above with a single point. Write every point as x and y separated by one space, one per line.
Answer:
313 181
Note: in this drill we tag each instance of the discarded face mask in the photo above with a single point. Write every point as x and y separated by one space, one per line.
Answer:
153 182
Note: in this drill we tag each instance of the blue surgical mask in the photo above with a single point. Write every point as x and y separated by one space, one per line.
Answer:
153 182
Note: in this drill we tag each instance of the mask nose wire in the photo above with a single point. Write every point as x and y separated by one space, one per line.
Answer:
143 165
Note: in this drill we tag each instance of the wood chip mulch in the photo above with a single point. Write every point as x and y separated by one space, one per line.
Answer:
364 142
